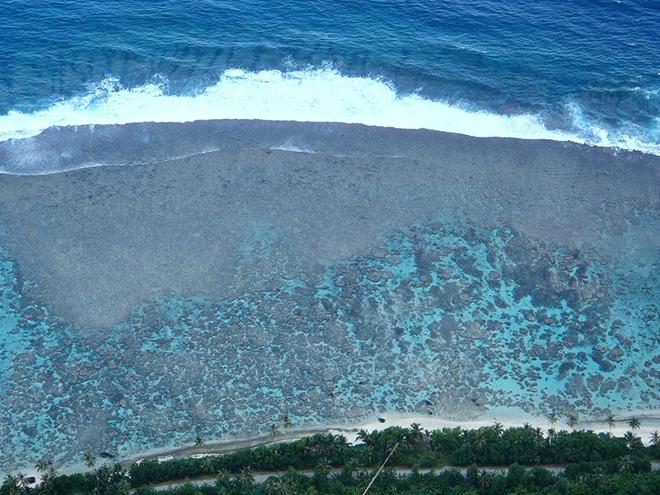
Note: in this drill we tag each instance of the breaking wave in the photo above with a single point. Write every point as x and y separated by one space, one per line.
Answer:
316 94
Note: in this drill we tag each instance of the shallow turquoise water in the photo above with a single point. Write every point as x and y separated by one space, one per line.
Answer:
438 319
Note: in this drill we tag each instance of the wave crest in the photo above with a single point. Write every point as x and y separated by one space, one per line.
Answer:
315 95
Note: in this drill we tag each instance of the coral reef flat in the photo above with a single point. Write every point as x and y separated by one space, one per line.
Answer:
162 281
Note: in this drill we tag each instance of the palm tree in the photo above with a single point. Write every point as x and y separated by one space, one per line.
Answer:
626 463
630 438
47 475
498 428
416 431
634 423
42 465
655 438
573 420
286 421
323 466
111 479
280 486
273 430
21 481
363 436
90 459
610 419
480 441
380 469
223 481
198 441
207 465
10 479
11 484
245 478
485 480
552 417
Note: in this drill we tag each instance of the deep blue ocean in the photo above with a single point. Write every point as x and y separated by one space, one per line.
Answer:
582 70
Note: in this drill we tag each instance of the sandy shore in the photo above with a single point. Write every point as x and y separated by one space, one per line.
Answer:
650 422
508 417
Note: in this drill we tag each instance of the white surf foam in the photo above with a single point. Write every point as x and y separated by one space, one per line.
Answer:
319 95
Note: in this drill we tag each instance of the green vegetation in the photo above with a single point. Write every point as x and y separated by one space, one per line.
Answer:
90 459
327 464
611 421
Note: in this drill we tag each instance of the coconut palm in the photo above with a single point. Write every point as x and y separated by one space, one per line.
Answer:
498 428
552 417
485 481
480 441
47 475
630 438
573 420
273 430
363 436
286 421
280 486
634 423
416 431
223 481
655 438
10 479
111 479
380 469
610 419
42 465
11 485
207 465
626 463
199 442
21 481
245 478
285 484
90 459
323 467
413 438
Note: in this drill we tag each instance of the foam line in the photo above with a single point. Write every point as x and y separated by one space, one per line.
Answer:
316 95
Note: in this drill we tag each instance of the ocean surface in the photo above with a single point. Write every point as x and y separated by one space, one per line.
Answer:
581 70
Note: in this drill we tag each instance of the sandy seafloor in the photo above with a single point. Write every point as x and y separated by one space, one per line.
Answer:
237 271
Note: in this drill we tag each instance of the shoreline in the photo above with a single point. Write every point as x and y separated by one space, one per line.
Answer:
63 147
508 417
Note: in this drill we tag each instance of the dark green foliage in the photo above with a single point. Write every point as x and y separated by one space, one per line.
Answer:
583 446
535 481
306 453
594 463
526 445
73 483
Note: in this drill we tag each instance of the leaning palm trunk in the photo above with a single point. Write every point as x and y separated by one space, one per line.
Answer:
380 469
